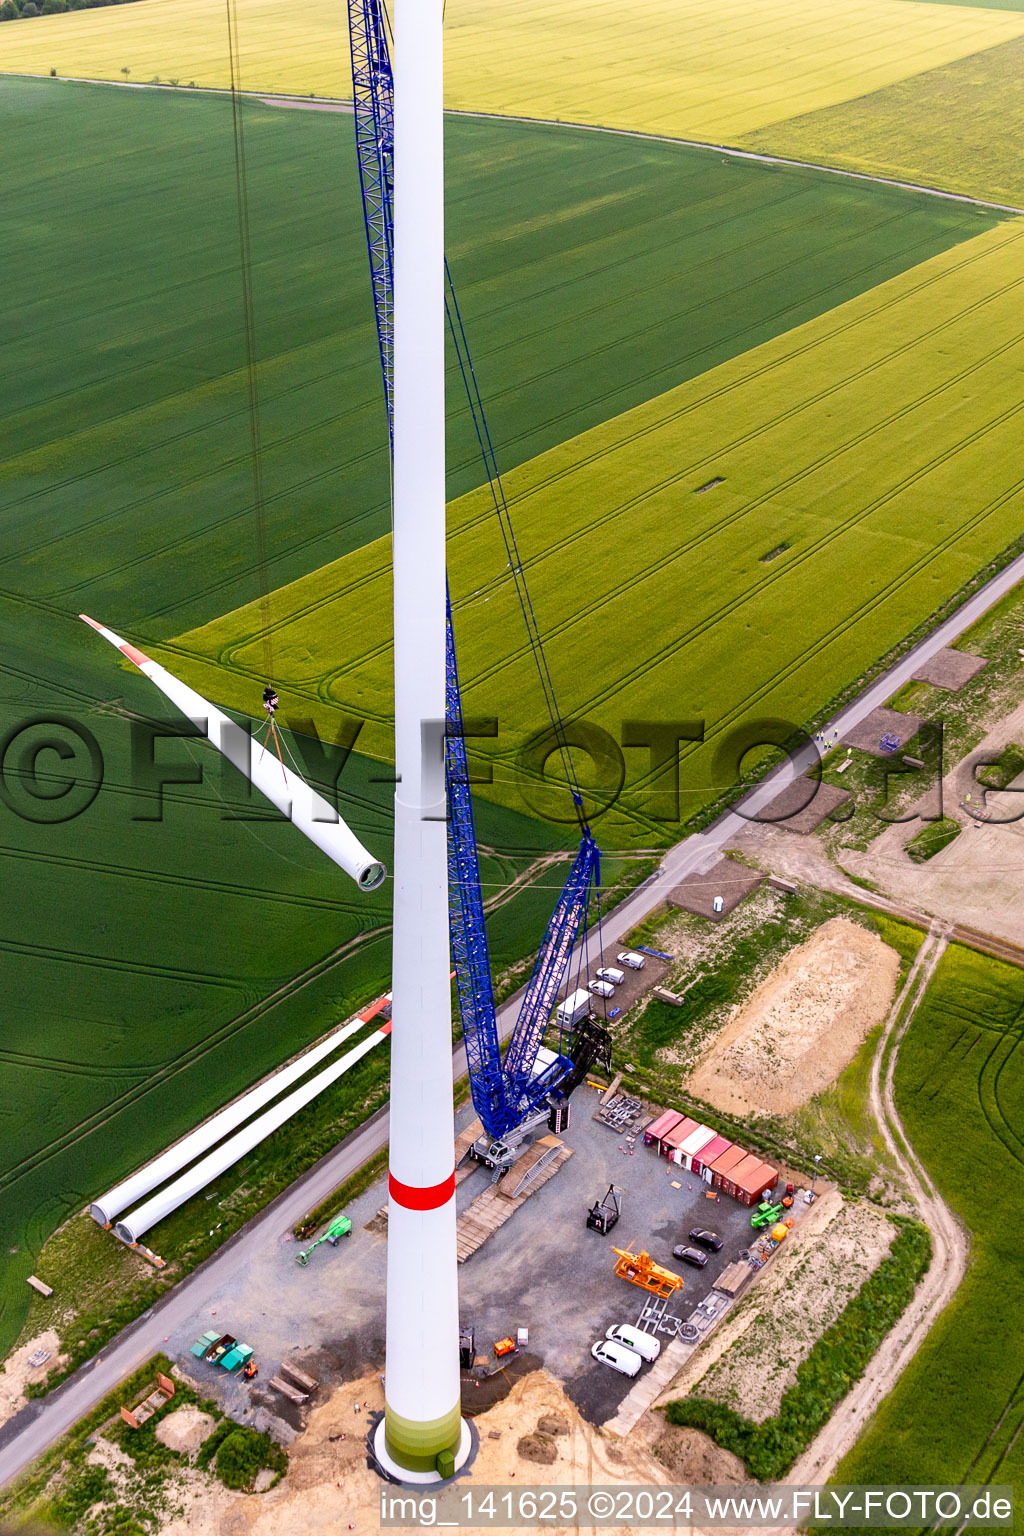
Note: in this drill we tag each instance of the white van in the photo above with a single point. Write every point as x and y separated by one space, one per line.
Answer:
609 973
617 1356
644 1344
631 959
602 989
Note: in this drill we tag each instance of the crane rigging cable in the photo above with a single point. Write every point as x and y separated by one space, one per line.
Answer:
371 69
249 327
483 436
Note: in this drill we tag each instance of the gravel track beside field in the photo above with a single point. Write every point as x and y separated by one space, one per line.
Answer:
949 1243
732 152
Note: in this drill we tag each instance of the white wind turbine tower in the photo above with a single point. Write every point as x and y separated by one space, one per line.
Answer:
422 1436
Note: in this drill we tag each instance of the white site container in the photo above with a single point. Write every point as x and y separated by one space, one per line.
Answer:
575 1007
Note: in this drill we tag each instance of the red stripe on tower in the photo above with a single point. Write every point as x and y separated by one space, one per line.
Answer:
426 1198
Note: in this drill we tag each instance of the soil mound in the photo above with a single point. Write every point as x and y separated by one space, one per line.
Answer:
802 1025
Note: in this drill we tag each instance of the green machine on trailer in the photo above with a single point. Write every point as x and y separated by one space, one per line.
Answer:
766 1214
339 1227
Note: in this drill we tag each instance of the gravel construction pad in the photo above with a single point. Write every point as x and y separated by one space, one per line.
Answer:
634 985
804 805
728 878
950 669
542 1270
881 722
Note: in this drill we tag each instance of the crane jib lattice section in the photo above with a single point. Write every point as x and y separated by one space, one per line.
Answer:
504 1093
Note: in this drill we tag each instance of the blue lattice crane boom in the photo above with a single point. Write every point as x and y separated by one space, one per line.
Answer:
504 1093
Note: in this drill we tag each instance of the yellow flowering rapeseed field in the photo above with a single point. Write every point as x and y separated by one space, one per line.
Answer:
679 67
766 531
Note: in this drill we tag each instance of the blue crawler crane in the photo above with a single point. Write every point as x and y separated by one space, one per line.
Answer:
517 1093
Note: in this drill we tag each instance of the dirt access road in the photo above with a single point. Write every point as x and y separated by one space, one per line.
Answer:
44 1420
949 1244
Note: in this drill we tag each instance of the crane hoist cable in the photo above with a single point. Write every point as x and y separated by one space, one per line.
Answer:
483 436
251 369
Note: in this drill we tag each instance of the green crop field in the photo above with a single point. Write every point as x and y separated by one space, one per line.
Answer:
945 127
154 967
878 443
957 1412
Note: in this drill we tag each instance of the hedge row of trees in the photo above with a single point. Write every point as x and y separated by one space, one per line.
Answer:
838 1359
23 10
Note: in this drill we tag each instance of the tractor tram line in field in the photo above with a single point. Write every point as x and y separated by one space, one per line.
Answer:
190 1056
695 467
771 577
373 513
135 504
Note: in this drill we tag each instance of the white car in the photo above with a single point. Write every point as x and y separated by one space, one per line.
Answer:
617 1356
631 959
609 973
643 1344
602 989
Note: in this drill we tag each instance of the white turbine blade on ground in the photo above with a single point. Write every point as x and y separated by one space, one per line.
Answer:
286 790
207 1135
132 1226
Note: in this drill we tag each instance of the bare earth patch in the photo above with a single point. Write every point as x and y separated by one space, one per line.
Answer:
802 1025
329 1488
802 1298
185 1429
17 1373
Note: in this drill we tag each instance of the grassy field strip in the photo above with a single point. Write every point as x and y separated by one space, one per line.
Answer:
853 437
117 425
595 450
945 126
672 66
958 1411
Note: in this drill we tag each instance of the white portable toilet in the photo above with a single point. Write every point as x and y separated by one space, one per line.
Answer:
719 903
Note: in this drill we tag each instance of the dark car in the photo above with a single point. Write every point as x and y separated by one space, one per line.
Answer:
690 1256
706 1239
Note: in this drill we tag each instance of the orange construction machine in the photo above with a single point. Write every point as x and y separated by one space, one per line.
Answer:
640 1269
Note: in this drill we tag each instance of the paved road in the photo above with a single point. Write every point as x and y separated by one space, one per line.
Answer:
45 1419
